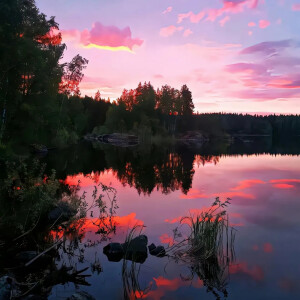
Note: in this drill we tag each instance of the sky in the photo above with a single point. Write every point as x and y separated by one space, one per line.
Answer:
234 55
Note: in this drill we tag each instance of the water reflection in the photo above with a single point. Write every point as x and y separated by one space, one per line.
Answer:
147 169
156 188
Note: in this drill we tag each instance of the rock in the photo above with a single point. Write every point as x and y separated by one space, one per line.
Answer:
114 252
6 285
159 251
81 296
151 247
136 250
63 211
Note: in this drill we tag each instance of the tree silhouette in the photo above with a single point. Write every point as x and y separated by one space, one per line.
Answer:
97 96
73 75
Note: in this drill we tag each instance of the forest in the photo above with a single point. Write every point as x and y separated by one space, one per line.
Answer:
40 99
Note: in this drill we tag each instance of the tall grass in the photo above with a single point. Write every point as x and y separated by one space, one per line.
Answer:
208 249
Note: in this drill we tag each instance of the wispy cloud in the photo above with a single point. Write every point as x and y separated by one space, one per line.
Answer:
170 30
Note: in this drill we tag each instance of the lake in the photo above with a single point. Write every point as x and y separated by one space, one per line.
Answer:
157 186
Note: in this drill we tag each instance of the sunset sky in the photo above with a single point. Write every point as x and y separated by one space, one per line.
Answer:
234 55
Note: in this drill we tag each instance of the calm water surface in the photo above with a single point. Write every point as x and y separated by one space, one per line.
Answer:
156 188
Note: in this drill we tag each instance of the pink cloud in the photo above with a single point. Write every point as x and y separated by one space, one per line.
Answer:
264 23
194 18
286 83
70 35
248 68
168 10
229 7
224 21
187 32
110 36
103 37
296 7
268 47
251 24
170 30
158 76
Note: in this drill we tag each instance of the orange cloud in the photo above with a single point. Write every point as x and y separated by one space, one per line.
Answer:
251 24
284 183
166 239
165 285
283 186
247 184
285 180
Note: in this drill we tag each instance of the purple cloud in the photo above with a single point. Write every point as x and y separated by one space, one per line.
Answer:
268 47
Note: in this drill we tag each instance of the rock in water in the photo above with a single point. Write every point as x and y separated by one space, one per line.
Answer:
114 252
136 249
81 296
151 247
158 251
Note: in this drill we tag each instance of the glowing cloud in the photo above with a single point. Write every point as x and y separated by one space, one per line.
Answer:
120 48
103 37
247 184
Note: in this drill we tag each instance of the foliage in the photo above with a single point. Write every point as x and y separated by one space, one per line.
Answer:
26 195
208 249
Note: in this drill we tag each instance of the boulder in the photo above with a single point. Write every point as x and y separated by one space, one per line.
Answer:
136 250
158 251
114 252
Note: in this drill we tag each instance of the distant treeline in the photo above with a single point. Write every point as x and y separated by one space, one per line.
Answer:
168 111
216 124
40 100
